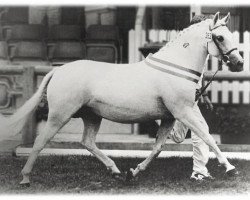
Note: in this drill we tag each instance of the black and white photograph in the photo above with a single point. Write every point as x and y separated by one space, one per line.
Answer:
111 98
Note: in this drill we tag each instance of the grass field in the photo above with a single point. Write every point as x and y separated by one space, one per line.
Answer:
86 175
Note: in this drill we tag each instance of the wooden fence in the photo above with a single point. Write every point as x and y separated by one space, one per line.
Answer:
223 90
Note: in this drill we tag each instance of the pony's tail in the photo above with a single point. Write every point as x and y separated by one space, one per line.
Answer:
10 126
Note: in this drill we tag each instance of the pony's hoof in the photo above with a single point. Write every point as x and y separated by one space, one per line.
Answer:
25 185
25 182
232 173
129 175
118 176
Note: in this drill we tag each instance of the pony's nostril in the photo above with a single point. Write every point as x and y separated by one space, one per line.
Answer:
240 65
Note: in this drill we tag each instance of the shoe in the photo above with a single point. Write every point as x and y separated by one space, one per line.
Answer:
201 177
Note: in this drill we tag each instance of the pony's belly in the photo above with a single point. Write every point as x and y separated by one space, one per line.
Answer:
134 114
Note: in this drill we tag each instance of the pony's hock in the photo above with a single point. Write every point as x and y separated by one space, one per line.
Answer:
131 93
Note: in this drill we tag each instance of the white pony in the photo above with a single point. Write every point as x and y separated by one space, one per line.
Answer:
160 87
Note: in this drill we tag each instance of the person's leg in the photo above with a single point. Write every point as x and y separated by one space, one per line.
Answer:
192 118
200 150
200 155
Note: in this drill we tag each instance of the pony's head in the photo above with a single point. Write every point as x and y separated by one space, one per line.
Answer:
221 44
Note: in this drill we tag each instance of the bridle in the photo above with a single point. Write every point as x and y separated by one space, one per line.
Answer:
224 56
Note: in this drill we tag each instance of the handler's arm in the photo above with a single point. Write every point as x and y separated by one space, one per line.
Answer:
206 99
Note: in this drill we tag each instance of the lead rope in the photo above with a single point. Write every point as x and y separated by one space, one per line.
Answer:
203 89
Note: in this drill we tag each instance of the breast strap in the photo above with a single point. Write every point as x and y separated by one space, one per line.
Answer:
167 69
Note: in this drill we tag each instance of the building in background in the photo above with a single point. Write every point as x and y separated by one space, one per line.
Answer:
162 17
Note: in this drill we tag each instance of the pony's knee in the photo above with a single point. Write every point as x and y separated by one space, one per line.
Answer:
157 149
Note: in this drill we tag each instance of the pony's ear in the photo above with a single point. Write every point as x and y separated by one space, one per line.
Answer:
226 19
216 18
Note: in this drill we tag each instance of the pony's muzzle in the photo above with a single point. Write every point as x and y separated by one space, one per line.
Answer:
238 67
234 61
240 64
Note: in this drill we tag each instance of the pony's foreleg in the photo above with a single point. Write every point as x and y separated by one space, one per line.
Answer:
51 128
92 124
162 134
194 120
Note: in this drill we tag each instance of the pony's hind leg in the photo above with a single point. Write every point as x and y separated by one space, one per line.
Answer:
164 129
52 126
92 124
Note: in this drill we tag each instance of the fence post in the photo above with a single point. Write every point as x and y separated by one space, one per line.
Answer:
29 84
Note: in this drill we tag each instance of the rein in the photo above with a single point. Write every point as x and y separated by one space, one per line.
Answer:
203 89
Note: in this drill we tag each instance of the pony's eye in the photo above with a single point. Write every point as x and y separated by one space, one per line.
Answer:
220 38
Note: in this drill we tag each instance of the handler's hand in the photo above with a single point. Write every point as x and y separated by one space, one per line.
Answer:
208 103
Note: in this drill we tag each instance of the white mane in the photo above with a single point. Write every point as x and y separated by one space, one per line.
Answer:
186 31
192 36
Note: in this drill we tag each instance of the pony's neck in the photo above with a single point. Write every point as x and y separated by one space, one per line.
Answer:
189 49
